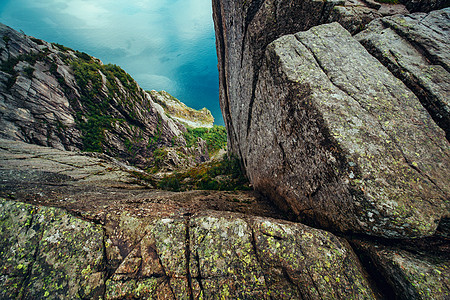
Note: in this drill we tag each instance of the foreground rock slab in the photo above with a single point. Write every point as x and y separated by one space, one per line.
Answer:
49 253
84 237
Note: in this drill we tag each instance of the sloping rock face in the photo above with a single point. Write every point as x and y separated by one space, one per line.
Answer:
53 96
100 241
414 275
425 69
328 132
182 113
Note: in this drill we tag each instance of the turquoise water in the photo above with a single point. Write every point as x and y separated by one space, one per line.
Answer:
163 44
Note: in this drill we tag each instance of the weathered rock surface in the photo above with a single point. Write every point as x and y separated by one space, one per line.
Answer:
367 155
414 275
49 253
100 241
243 31
325 130
425 5
415 49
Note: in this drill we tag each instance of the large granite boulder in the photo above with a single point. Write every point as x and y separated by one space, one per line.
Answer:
350 146
243 31
328 132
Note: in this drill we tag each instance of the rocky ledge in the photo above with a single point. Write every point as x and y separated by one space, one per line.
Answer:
82 226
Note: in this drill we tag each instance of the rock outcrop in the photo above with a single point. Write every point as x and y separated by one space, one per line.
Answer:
328 132
342 125
425 68
53 96
182 113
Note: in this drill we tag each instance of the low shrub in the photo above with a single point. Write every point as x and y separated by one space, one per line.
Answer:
221 175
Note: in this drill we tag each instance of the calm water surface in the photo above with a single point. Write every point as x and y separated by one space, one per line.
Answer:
164 44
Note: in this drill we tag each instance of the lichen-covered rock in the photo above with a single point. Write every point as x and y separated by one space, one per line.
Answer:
340 141
245 28
213 255
425 69
410 276
354 15
47 253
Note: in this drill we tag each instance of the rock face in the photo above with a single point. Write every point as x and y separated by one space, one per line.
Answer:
51 254
53 96
182 113
424 69
328 132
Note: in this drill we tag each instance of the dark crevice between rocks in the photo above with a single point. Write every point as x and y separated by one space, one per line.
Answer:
104 264
187 253
27 279
200 276
376 279
258 259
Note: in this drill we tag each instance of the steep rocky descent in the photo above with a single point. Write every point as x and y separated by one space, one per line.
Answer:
179 111
324 129
53 96
81 226
121 241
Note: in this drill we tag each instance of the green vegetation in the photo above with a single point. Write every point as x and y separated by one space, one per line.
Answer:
96 107
60 47
221 175
29 72
37 41
6 39
215 137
